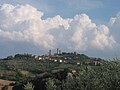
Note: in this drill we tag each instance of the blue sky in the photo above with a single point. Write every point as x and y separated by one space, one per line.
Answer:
100 10
72 25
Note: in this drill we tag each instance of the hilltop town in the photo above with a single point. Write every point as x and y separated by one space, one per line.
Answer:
60 57
23 71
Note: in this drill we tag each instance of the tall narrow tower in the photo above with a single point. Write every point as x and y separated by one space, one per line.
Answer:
49 53
57 50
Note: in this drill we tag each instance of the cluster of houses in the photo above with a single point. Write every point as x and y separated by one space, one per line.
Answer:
63 57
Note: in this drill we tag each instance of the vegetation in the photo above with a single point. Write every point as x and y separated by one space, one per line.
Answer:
29 86
32 74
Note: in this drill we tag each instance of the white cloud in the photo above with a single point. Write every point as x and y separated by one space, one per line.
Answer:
88 34
102 38
114 26
25 23
115 21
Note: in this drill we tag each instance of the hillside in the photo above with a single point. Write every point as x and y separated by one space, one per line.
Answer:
59 72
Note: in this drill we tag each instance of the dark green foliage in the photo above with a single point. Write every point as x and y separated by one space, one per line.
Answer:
10 57
105 77
23 56
48 75
29 86
61 75
51 84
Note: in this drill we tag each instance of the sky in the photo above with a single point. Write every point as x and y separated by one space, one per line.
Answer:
36 26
